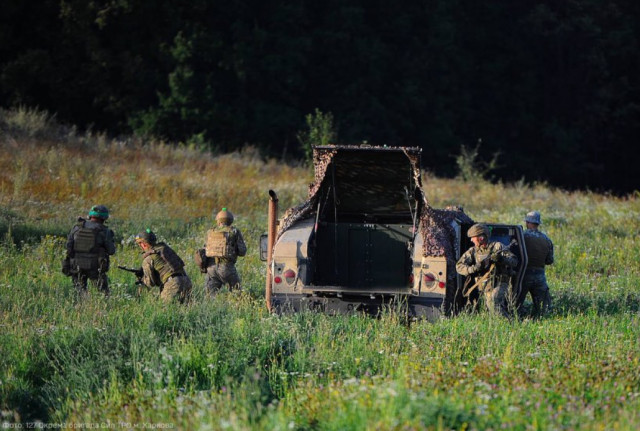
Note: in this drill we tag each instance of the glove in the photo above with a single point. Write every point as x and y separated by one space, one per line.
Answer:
495 258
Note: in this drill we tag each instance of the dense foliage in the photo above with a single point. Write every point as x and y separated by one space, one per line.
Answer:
125 362
553 86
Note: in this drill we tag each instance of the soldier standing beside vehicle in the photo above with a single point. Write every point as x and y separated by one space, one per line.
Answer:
89 245
540 253
490 265
162 267
224 245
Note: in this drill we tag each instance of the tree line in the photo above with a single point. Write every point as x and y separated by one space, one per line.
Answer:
551 87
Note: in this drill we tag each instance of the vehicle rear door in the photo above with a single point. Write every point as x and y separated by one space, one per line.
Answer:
512 236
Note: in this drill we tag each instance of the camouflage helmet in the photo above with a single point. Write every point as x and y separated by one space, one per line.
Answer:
478 230
225 216
99 211
147 236
533 217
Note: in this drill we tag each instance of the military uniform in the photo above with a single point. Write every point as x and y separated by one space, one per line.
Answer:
222 270
89 245
490 266
540 253
162 267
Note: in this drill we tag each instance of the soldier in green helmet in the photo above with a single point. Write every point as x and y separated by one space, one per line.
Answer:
89 245
162 267
223 247
489 264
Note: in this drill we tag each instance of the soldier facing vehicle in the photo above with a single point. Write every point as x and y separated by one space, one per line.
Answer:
89 245
223 247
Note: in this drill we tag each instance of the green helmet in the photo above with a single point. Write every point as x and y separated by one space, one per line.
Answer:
99 211
478 230
147 236
225 216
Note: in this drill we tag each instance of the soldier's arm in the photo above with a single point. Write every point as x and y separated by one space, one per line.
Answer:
241 247
149 274
110 243
467 265
70 241
549 259
505 256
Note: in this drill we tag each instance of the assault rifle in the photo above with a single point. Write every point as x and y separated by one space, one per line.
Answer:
138 273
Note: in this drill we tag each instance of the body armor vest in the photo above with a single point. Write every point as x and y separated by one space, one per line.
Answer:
166 261
87 245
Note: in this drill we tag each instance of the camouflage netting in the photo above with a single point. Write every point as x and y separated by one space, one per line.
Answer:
439 236
435 224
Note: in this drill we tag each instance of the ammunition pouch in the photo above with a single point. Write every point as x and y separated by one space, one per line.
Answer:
66 266
85 261
200 257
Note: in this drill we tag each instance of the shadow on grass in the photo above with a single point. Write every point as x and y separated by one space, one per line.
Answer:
569 302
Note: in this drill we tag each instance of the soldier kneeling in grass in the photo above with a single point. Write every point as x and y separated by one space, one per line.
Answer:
162 267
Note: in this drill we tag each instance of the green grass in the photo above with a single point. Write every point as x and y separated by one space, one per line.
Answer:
227 364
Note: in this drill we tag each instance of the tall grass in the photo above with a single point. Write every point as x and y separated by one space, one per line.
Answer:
225 363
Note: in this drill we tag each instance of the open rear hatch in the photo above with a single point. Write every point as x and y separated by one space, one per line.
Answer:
365 212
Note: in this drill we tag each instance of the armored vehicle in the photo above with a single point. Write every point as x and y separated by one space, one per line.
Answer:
367 237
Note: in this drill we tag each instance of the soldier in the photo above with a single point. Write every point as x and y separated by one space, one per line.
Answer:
224 245
162 267
490 264
540 253
89 245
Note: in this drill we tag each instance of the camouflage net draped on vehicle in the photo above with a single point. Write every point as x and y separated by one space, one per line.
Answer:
435 224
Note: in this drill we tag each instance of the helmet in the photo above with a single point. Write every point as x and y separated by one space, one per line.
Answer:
478 230
99 211
147 236
225 217
533 217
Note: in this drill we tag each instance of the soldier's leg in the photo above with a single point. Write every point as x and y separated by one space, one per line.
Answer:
230 276
212 281
185 289
170 290
496 299
80 284
541 298
102 283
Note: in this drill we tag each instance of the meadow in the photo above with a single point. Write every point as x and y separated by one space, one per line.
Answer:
127 362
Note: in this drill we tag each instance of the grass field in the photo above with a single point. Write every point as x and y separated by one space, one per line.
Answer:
125 362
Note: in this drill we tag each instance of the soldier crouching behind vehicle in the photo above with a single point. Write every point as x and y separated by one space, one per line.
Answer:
224 245
489 264
162 267
89 245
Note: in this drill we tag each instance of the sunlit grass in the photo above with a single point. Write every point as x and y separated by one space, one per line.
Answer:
225 363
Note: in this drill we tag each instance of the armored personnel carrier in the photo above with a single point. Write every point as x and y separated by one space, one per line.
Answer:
366 237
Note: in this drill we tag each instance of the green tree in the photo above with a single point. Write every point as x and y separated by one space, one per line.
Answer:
320 131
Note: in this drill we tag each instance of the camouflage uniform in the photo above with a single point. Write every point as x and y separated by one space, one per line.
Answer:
222 270
478 261
174 282
540 253
91 264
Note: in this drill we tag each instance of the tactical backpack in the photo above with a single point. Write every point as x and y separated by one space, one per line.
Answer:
221 244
